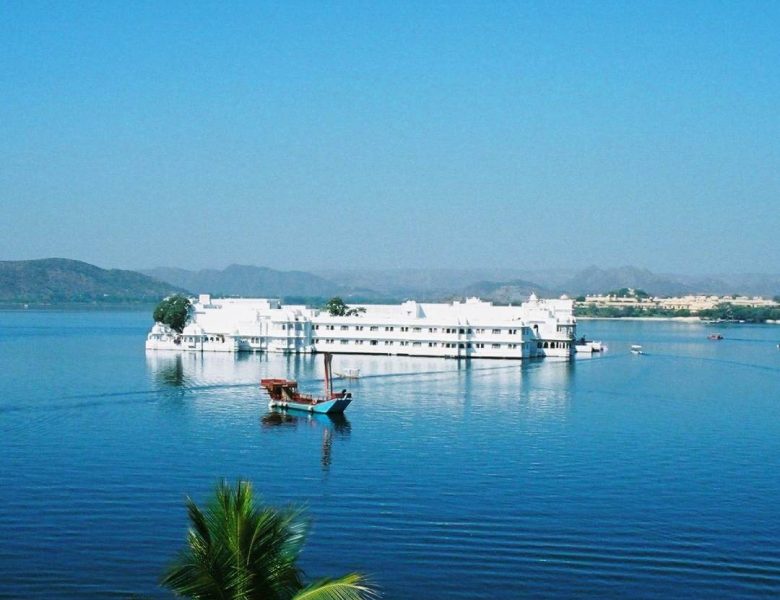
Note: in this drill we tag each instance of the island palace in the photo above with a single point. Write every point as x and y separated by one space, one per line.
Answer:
470 329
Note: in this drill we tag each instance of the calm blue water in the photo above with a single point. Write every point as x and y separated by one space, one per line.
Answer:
618 476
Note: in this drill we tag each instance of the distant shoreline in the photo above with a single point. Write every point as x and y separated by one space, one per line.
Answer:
9 307
678 319
682 319
144 306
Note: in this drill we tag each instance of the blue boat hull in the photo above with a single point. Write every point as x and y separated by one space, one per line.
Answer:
338 405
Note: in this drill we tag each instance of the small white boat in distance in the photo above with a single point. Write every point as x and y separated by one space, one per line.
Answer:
636 349
349 373
588 346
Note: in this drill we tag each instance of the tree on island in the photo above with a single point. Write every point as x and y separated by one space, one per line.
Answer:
337 308
237 550
173 311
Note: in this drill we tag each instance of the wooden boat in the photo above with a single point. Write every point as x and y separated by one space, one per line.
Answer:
636 349
284 394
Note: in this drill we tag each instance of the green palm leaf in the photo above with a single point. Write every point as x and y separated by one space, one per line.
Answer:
349 587
237 550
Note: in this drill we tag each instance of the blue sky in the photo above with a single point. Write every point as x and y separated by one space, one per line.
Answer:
382 135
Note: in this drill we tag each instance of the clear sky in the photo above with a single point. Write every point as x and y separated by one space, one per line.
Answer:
399 134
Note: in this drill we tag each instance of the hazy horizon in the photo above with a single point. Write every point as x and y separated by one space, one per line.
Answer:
529 136
323 272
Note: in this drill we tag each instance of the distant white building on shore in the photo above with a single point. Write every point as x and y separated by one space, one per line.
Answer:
692 303
470 329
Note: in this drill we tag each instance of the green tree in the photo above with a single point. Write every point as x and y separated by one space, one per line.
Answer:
237 550
337 308
173 311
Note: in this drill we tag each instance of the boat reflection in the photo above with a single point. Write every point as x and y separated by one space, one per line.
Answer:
336 424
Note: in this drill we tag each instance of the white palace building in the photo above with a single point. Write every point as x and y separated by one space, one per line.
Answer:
470 329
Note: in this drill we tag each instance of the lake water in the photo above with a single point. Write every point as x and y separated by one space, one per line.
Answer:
653 476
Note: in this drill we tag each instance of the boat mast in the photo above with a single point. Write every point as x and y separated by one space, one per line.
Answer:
328 375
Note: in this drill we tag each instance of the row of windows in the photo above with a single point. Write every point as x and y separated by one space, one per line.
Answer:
553 344
461 345
458 330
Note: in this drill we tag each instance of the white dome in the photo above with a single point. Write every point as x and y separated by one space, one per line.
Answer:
160 328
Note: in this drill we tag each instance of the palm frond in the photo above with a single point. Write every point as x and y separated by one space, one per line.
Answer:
350 587
238 549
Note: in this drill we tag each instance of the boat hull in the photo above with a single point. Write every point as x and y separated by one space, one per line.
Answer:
337 405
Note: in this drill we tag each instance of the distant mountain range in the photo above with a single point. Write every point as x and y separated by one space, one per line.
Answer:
251 281
59 280
512 285
594 280
244 280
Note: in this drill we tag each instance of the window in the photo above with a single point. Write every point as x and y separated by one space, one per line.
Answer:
496 345
344 327
416 344
462 331
417 329
432 344
404 329
433 330
388 328
513 346
359 342
374 328
374 342
480 345
316 327
345 341
358 328
513 332
330 327
468 331
461 345
388 342
496 331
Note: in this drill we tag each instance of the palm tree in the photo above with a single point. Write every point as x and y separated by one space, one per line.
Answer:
238 551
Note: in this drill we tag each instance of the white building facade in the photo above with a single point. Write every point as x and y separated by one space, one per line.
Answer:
470 329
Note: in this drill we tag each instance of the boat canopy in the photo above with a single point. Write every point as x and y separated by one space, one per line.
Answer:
279 389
